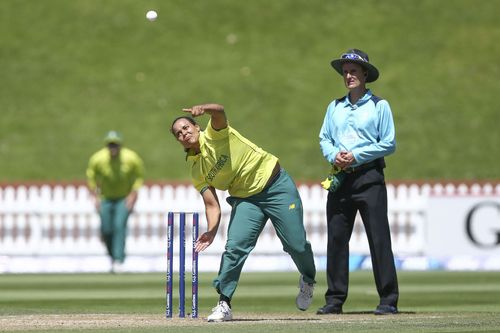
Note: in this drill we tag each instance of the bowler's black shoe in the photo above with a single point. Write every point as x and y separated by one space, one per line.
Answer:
330 309
385 309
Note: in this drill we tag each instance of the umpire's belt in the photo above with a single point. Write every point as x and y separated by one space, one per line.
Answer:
378 163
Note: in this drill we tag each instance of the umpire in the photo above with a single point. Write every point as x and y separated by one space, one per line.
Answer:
357 132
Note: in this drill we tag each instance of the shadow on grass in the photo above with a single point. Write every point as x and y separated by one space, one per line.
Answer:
274 319
319 317
371 312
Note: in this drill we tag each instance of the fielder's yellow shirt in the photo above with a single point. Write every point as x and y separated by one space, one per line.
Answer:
115 178
228 161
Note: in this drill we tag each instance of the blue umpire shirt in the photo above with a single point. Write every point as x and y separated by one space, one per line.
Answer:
366 129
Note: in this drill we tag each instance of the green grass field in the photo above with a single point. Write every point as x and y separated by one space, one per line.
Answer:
430 302
72 70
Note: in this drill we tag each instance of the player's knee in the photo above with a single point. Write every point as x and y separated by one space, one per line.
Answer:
297 248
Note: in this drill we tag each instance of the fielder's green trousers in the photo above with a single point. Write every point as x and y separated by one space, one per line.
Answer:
114 215
280 202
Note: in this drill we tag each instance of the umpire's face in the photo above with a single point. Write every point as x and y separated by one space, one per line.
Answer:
354 75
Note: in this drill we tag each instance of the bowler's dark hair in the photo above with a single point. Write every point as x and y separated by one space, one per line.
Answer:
190 119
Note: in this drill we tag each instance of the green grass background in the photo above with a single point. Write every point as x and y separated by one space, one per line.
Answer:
430 301
71 70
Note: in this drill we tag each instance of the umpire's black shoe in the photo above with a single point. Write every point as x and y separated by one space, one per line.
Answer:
385 309
330 309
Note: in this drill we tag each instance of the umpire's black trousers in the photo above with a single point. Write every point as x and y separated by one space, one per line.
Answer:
362 191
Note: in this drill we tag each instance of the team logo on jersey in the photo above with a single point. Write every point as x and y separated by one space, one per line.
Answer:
221 161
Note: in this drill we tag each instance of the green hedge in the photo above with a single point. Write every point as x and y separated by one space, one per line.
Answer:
71 70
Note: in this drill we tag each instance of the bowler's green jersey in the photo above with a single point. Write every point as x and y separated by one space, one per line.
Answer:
229 161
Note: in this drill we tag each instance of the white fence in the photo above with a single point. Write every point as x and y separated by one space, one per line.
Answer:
54 228
43 220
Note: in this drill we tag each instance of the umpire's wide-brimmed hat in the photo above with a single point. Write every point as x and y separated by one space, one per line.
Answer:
358 57
113 137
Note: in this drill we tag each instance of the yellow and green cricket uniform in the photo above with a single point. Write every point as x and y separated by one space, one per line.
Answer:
114 179
228 161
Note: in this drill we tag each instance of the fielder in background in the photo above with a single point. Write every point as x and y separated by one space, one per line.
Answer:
114 176
221 158
357 132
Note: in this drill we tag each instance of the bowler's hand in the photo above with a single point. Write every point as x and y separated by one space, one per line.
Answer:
196 110
204 241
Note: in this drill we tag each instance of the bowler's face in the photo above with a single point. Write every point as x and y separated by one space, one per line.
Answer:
354 75
186 133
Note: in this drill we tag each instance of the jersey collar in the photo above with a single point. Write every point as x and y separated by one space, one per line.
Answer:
366 97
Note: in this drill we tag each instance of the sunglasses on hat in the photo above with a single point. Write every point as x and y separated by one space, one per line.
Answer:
352 56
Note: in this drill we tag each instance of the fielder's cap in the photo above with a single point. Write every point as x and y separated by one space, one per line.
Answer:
113 137
358 57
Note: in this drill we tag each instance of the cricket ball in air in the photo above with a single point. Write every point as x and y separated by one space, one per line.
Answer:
151 15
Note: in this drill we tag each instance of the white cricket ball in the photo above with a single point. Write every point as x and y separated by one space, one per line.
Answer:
151 15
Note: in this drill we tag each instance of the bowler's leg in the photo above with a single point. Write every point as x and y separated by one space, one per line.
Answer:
284 207
246 224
